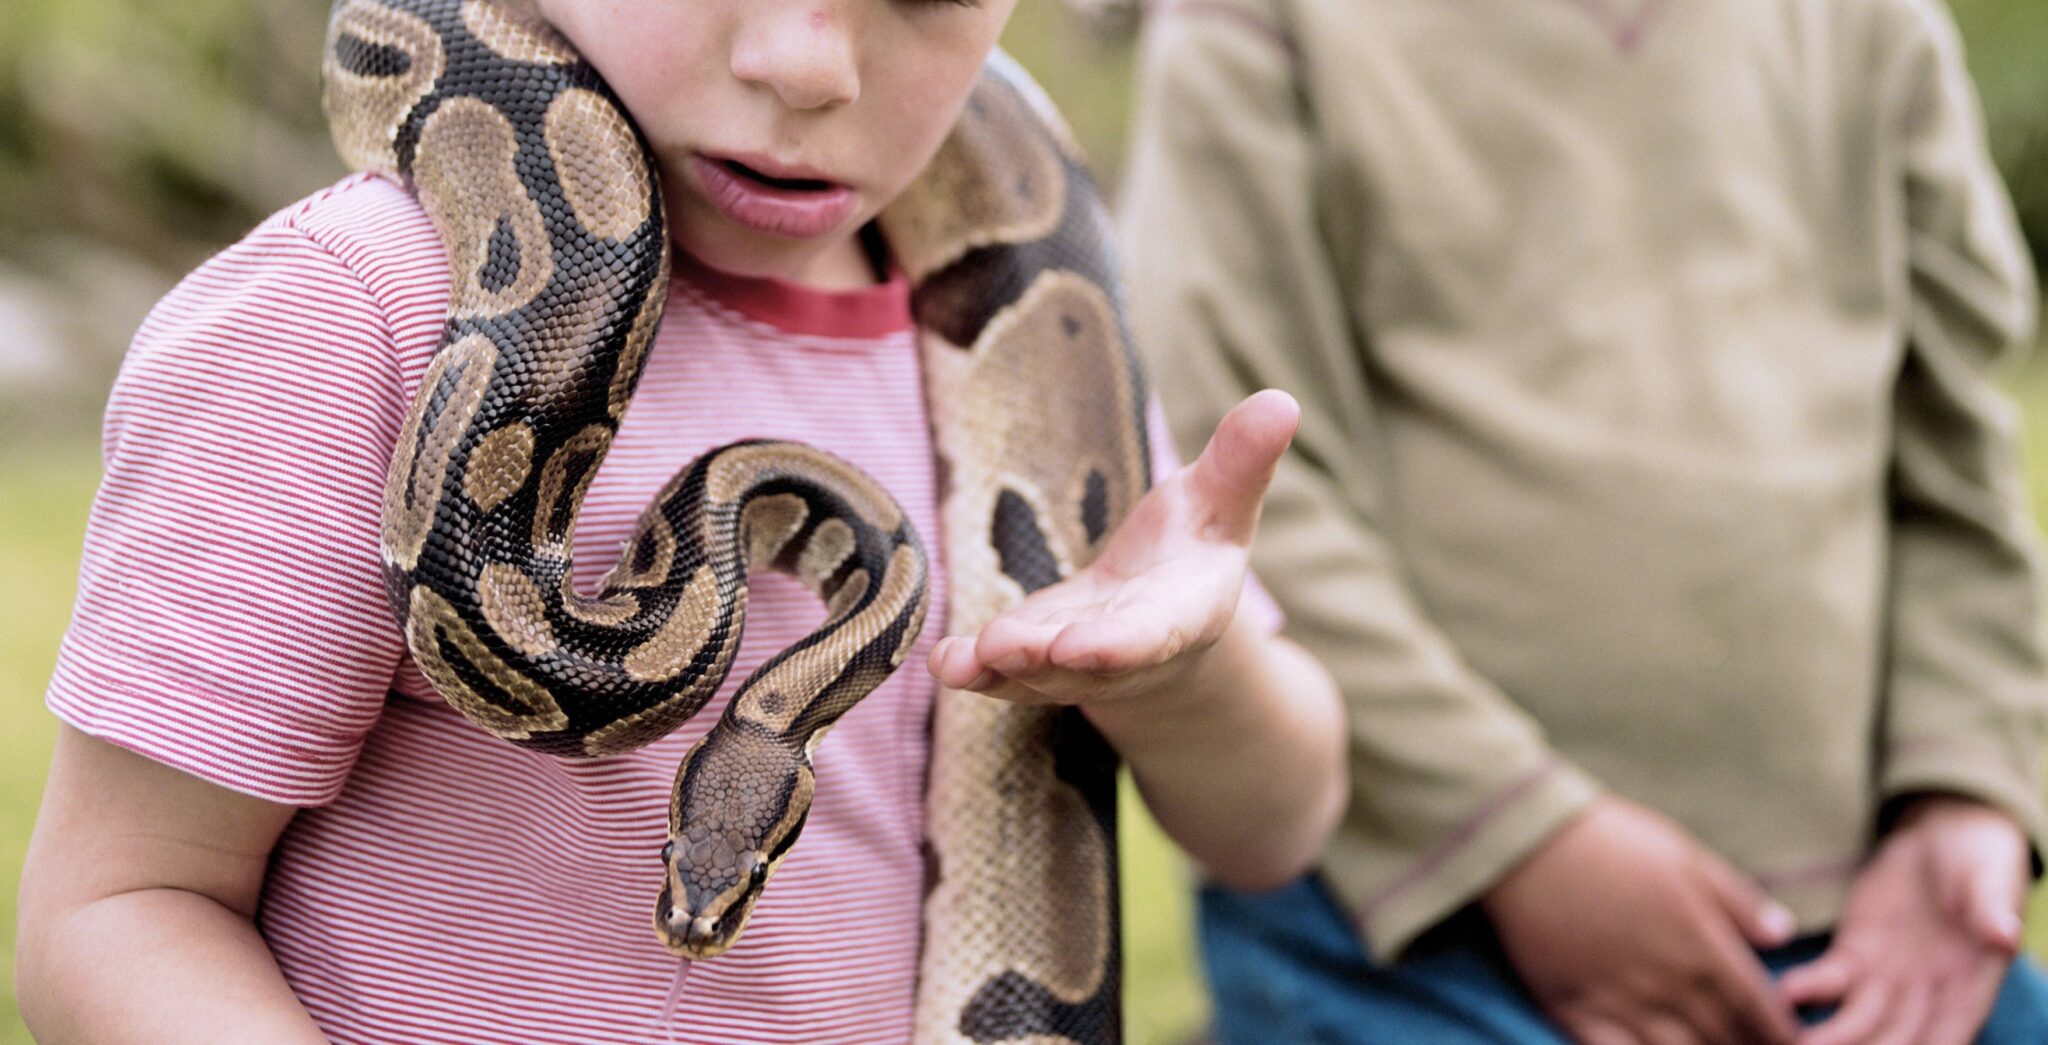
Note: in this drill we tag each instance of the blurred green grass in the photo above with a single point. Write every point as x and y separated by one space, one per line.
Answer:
44 494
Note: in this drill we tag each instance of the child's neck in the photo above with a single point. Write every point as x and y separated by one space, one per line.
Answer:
849 264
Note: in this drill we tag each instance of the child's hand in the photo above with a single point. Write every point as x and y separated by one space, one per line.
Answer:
1235 738
1931 927
1626 929
1133 624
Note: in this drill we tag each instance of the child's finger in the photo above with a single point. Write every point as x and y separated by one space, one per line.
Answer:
1231 476
1128 641
1992 917
954 664
1763 921
1866 1009
1015 646
1822 981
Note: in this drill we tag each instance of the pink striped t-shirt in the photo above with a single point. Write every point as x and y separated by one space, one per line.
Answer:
442 885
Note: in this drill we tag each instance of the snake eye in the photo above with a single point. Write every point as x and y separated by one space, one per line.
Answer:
668 851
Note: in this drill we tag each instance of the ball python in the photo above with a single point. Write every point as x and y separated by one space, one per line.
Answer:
548 203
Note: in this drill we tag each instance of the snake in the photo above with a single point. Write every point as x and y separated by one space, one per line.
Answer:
547 200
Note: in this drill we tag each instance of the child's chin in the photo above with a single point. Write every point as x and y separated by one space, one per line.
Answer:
729 248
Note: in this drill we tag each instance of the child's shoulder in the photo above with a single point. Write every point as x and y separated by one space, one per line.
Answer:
362 219
356 261
362 231
339 297
376 231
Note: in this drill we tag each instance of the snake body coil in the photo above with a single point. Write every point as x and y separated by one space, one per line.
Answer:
549 206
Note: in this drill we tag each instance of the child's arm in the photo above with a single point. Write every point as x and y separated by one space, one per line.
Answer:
1933 919
1967 679
136 908
1235 738
231 621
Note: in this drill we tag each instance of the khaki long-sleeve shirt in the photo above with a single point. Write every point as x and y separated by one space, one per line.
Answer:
1648 438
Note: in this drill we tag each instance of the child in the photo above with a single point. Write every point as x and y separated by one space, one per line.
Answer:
243 839
1652 504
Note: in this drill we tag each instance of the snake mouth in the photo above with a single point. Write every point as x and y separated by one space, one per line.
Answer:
698 936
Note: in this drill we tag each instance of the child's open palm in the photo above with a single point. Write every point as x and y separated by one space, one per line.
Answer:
1165 588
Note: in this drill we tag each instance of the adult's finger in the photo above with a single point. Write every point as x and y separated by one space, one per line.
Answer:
1230 477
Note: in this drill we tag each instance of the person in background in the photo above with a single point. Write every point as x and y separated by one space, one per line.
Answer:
1653 504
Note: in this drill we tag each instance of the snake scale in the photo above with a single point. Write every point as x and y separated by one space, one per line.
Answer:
548 203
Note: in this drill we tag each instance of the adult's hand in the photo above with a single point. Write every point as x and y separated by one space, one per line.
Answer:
1627 931
1931 927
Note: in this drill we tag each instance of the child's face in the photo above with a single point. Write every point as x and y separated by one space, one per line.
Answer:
842 101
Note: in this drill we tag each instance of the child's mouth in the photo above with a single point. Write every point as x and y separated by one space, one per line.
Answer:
777 201
792 184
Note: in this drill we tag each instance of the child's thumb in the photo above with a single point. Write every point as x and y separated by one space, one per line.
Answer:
1991 912
1231 476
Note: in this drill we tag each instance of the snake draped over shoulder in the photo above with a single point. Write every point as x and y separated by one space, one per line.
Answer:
548 203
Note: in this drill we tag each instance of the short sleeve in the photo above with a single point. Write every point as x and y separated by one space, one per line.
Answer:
231 620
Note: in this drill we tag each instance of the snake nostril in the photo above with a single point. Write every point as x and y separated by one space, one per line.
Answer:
700 931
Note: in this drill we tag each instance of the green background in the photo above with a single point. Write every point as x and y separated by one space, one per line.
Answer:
136 138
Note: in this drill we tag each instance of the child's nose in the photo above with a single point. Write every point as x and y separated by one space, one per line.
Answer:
804 52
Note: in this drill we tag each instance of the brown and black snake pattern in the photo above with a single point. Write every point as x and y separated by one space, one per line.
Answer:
549 206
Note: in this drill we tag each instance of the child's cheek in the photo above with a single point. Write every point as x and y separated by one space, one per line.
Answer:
919 105
656 57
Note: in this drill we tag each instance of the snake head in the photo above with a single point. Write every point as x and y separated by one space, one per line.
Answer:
741 798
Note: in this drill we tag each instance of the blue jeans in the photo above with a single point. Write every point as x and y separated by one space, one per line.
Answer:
1286 968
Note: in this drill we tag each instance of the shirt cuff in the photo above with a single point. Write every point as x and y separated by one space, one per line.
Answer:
1974 767
1465 863
206 739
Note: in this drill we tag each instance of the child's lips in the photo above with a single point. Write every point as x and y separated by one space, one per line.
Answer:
764 196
